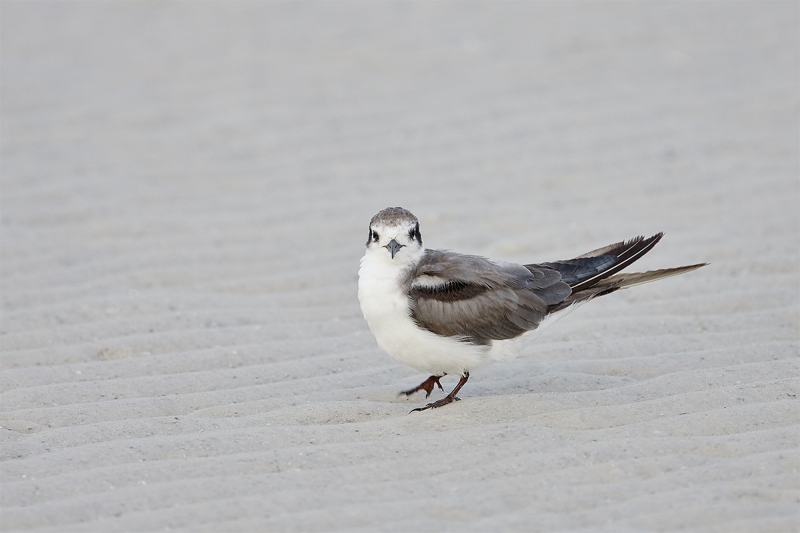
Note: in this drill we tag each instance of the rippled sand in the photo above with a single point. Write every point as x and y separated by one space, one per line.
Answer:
185 195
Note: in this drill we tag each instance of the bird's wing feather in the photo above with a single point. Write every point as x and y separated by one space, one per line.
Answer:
480 300
587 270
573 271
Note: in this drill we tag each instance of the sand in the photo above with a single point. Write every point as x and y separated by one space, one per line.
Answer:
185 195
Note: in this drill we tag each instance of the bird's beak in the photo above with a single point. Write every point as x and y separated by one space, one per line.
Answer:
393 246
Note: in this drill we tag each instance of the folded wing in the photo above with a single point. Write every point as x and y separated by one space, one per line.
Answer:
481 300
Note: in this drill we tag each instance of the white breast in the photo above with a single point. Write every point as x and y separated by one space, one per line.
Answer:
386 309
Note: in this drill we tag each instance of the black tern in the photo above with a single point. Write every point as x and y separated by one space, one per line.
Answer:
445 313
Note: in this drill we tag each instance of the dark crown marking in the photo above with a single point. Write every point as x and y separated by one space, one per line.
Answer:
394 216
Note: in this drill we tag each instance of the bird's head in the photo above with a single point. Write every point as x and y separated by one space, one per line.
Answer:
394 236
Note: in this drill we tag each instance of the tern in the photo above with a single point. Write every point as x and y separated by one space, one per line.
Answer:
446 313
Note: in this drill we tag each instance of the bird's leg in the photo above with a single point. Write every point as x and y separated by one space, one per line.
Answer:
447 399
426 385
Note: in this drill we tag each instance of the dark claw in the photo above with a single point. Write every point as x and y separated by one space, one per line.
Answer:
437 403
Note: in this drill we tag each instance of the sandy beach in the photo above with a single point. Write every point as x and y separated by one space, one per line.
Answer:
185 194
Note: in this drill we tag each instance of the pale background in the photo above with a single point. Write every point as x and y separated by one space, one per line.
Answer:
186 188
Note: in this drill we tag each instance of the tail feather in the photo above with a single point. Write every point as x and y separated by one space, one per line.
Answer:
620 281
620 255
625 280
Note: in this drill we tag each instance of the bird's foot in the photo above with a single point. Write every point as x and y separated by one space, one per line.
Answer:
450 398
426 385
438 403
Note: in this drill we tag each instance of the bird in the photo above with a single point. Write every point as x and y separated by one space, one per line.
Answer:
447 313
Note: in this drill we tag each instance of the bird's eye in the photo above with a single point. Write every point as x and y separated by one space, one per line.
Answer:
375 236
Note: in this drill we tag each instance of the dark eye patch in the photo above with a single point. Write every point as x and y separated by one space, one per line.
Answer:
413 234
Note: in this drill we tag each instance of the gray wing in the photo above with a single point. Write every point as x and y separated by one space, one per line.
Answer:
469 296
587 270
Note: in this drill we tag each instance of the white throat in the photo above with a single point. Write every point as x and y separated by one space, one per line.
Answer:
383 294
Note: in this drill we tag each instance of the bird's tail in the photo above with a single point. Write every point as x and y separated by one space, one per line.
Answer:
625 280
597 272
